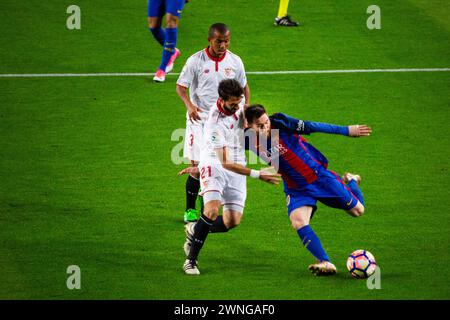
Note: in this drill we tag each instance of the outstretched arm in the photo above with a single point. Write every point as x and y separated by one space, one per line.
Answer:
311 127
357 130
285 122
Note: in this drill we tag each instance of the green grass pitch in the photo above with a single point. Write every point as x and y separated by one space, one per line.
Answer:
87 178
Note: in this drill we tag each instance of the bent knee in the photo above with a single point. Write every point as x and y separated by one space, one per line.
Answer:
299 223
211 214
171 21
233 224
300 217
153 22
232 221
211 211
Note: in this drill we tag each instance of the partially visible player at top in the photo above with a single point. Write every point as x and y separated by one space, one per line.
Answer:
200 79
305 173
167 37
283 19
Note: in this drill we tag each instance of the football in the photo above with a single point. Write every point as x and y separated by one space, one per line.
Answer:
361 264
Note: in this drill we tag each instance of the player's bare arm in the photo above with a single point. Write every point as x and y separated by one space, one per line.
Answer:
247 95
189 170
267 174
193 110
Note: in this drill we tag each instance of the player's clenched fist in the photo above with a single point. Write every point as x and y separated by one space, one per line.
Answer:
270 175
359 130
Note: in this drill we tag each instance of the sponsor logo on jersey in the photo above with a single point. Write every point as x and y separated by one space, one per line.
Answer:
206 71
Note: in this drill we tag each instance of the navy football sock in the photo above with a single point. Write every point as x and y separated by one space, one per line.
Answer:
170 43
218 226
312 243
201 231
192 188
353 185
159 34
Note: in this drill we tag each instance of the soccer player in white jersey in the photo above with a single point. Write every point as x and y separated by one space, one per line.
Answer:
222 171
201 76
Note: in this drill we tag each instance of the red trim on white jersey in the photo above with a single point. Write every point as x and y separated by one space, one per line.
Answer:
216 60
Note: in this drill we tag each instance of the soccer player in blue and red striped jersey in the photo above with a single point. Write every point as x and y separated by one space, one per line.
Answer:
305 173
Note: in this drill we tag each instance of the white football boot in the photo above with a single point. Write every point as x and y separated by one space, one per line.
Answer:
190 267
160 76
322 268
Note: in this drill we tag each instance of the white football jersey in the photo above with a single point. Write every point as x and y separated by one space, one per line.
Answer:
222 130
202 74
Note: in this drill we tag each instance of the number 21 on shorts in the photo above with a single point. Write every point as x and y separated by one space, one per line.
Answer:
205 172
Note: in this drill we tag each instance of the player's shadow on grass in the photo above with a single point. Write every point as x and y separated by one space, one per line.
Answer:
242 257
178 220
245 258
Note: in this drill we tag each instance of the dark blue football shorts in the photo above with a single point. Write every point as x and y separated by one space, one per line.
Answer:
158 8
328 189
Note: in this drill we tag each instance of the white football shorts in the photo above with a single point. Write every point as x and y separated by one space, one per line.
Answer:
193 138
229 188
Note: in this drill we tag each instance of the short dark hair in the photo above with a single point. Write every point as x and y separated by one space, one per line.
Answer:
220 28
230 88
253 112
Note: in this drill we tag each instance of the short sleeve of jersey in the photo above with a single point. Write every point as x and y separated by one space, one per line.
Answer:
241 76
187 75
